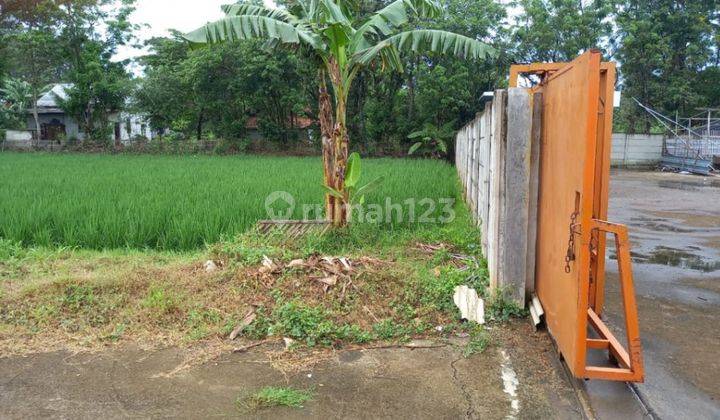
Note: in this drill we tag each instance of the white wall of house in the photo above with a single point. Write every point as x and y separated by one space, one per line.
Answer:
132 126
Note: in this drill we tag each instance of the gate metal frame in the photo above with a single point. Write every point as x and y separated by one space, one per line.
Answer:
591 299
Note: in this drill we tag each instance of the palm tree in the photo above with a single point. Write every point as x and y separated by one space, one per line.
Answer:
342 44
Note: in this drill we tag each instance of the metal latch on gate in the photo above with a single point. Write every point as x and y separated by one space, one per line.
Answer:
575 229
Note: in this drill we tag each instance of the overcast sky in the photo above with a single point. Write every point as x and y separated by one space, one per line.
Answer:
163 15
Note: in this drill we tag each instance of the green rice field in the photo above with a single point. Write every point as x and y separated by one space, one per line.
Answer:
176 202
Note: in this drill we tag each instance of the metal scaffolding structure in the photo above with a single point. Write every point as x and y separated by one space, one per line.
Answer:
704 122
693 143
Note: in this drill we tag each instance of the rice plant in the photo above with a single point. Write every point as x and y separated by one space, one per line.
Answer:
181 202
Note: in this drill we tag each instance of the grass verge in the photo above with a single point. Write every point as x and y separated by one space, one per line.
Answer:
400 286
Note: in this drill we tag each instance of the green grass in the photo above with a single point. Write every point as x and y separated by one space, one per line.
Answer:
272 396
176 202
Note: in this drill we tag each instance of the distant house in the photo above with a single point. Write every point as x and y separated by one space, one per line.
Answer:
57 126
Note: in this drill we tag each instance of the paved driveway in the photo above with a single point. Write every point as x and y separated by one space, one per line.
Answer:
674 223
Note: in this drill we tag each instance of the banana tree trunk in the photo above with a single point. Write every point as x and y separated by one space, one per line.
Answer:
335 151
340 146
326 128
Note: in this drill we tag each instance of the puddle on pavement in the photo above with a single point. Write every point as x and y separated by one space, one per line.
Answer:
690 185
675 258
690 219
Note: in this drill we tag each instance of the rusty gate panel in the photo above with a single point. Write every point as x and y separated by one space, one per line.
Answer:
565 198
572 209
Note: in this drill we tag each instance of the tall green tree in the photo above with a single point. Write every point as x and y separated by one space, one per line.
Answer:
164 95
667 50
30 44
214 90
559 30
99 85
37 62
434 88
342 46
99 88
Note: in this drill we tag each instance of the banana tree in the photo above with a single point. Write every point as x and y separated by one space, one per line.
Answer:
342 44
21 96
432 140
18 97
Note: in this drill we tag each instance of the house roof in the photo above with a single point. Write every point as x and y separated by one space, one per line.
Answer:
299 122
49 100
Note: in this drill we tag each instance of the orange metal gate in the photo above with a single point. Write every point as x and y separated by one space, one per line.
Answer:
577 106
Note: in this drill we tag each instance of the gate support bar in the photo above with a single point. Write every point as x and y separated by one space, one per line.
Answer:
630 363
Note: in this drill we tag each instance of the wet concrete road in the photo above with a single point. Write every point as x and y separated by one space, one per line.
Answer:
674 223
518 376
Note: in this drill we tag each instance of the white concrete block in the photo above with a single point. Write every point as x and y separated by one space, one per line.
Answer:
18 135
471 306
210 266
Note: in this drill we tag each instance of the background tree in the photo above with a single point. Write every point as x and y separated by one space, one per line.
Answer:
99 86
343 46
32 53
386 107
559 30
667 50
164 95
212 91
37 63
97 90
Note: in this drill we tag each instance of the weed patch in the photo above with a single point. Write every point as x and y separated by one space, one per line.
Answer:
77 297
313 325
10 250
389 329
479 341
276 397
117 332
161 302
501 309
201 322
